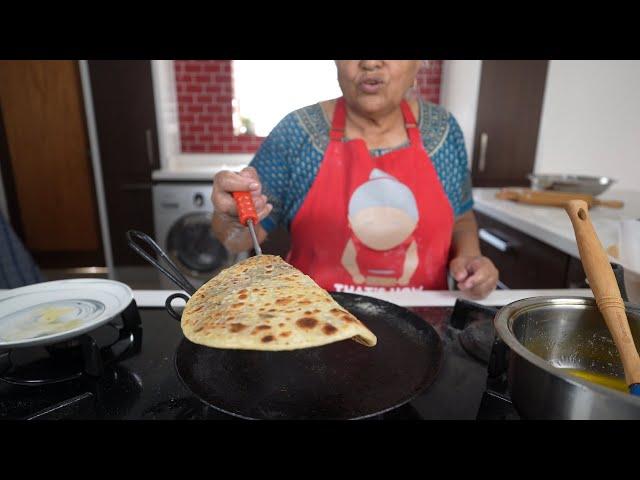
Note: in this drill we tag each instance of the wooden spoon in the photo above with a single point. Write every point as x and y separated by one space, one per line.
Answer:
605 290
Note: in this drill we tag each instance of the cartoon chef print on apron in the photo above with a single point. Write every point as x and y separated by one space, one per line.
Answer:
383 215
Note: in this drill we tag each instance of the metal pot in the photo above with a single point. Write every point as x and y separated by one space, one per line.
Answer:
547 335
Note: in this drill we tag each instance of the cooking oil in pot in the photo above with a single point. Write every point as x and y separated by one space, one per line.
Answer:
604 380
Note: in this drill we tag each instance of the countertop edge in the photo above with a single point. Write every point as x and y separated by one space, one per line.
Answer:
433 298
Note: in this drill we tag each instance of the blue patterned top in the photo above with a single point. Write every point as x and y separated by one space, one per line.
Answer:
17 268
289 158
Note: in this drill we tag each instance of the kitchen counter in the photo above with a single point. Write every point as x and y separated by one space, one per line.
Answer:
445 298
204 174
552 226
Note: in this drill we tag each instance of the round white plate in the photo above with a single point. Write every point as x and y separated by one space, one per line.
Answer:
50 312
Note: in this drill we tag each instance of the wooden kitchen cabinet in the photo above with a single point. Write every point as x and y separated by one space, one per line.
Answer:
126 125
523 261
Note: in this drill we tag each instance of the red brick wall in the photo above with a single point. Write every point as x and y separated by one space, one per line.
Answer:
205 91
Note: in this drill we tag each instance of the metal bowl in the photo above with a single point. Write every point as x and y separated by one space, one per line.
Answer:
548 335
571 183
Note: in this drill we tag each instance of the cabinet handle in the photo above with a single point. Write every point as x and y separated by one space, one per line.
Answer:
149 139
494 240
482 162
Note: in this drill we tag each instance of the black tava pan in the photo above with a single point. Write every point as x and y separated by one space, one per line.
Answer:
342 380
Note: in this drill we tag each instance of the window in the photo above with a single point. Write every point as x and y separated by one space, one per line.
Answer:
267 90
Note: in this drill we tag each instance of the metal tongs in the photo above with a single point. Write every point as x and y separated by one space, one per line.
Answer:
173 273
247 216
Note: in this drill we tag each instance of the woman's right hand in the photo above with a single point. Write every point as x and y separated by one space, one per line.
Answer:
247 180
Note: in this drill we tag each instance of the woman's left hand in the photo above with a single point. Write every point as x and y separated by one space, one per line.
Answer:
476 276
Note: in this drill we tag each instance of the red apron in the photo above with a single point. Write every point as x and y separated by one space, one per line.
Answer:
327 245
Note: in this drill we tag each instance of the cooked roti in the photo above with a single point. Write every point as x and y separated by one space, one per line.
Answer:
263 303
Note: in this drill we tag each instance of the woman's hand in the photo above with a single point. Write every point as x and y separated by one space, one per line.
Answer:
476 276
225 224
226 182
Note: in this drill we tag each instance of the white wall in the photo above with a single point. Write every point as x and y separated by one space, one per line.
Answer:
165 96
459 95
591 120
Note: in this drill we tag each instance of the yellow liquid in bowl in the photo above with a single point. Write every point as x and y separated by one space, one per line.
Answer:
604 380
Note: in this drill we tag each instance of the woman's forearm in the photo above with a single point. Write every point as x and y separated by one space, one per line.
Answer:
234 236
465 241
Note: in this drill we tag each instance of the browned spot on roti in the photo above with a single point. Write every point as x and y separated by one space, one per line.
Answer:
281 324
236 327
347 318
242 296
243 291
285 334
336 312
271 310
316 311
307 322
329 329
304 302
283 301
262 327
265 315
197 309
198 329
268 338
236 305
307 312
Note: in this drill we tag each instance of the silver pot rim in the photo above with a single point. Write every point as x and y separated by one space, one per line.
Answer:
503 323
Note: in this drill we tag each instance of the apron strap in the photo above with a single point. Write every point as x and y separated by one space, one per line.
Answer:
340 116
339 121
410 124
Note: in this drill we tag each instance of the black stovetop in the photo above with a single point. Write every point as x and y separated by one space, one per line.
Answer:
144 384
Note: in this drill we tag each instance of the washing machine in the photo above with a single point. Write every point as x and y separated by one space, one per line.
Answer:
182 214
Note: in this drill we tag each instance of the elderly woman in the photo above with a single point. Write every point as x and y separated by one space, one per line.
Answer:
371 196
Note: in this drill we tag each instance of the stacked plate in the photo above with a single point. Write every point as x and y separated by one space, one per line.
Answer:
51 312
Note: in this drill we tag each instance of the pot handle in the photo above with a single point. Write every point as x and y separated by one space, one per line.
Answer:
171 298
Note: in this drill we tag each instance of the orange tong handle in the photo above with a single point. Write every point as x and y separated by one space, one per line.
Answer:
246 209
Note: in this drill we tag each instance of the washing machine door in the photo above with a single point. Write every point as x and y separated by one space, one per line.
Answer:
194 249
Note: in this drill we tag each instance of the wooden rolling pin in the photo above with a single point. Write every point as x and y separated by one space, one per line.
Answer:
605 290
554 199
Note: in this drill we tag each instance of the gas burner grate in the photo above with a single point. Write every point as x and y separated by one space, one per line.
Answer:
87 354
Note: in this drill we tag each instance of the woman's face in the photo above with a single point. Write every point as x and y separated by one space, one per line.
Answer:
376 86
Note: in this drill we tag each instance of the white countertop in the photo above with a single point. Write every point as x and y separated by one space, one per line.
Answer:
156 298
552 226
204 174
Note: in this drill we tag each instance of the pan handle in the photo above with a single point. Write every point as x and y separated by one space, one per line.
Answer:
175 275
170 309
